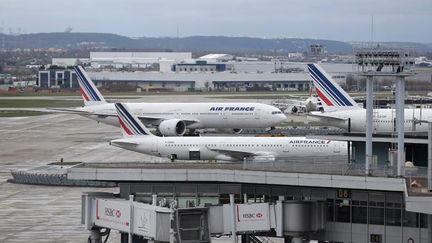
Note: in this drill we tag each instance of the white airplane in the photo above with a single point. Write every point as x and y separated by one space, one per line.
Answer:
172 119
339 108
137 137
297 105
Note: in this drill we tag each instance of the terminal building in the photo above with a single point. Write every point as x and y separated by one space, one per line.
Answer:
330 204
178 71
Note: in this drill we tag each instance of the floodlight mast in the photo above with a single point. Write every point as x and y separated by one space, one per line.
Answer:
392 62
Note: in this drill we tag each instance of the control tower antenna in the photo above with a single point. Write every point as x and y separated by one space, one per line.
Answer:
372 29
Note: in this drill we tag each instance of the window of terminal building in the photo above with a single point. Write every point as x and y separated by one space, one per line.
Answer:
52 75
330 210
74 80
43 81
423 220
359 208
393 209
410 219
342 210
359 212
224 198
376 208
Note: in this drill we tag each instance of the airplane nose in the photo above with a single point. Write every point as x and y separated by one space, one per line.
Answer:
282 118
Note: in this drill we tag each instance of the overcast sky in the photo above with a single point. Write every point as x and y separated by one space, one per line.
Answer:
345 20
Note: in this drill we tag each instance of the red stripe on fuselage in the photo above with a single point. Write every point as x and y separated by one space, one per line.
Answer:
323 98
125 128
84 94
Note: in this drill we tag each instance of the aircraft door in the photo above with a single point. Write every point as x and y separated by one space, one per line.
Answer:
224 115
336 148
154 147
257 114
194 154
285 147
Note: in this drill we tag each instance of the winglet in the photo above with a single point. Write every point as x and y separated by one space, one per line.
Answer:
332 96
89 92
129 123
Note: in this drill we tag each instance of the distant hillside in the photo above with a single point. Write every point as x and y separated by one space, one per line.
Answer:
193 43
244 44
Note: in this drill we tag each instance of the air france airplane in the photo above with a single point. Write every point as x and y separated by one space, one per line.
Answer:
339 107
172 119
137 137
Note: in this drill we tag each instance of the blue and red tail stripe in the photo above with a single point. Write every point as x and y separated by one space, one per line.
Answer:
130 124
328 90
86 88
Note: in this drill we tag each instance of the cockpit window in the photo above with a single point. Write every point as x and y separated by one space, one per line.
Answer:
276 112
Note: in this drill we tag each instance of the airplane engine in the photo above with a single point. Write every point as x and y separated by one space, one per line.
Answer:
230 131
172 127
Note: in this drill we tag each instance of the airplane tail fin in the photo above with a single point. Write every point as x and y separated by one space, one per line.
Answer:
332 96
89 92
129 123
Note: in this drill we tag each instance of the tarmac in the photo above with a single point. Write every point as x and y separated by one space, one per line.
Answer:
31 213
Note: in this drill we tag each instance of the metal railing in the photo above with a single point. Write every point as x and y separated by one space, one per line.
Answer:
333 165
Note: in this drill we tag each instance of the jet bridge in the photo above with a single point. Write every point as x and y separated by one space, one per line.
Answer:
209 197
144 222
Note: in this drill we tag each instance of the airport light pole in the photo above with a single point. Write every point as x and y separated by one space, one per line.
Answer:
429 169
400 118
369 123
378 61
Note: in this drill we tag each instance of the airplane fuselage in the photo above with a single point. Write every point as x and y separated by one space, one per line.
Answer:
232 148
384 119
199 115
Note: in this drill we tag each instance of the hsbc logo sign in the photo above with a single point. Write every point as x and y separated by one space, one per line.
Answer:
114 214
252 215
111 212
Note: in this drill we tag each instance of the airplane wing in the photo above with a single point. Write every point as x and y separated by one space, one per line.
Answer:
81 112
240 155
153 119
124 144
66 110
145 119
326 116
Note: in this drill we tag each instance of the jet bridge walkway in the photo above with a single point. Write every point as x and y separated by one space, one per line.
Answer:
343 189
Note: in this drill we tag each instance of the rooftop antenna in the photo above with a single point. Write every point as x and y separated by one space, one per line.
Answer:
372 29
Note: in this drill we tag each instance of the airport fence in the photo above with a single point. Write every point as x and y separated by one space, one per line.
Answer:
53 175
297 131
333 165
